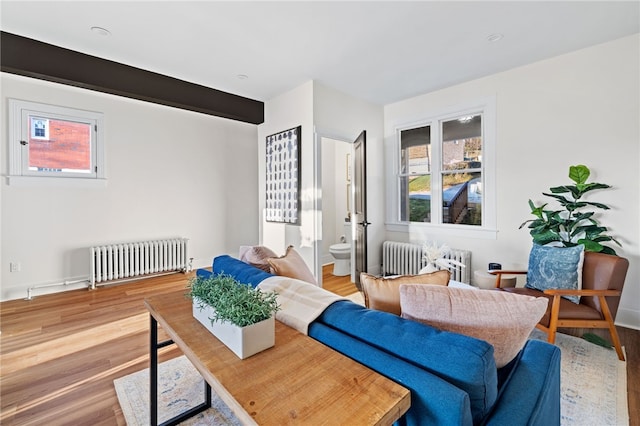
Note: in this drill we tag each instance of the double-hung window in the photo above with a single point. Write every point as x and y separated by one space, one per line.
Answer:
445 170
49 143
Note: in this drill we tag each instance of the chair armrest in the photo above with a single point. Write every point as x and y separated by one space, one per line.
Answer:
507 271
499 272
577 292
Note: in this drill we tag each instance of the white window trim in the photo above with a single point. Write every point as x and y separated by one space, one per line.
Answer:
16 177
488 229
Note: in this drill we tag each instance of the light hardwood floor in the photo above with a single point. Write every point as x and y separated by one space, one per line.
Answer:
60 353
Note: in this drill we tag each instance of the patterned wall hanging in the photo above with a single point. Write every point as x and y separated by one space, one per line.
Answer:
283 177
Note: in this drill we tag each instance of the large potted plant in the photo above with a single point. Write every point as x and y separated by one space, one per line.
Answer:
240 316
571 225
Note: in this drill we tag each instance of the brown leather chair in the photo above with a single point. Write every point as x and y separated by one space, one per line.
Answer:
603 278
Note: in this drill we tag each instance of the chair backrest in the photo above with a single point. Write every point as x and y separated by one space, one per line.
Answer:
603 272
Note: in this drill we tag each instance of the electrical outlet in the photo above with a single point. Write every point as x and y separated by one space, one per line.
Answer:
14 266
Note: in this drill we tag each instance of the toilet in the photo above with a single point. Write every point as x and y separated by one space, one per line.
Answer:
341 253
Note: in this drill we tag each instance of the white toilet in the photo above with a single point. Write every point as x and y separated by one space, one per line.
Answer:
341 253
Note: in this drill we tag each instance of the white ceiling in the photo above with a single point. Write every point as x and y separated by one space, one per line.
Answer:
378 51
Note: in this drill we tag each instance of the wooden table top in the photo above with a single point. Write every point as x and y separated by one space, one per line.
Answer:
298 381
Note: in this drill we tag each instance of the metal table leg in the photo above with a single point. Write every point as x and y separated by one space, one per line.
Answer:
154 345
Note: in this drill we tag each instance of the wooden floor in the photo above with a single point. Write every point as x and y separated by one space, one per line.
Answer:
60 353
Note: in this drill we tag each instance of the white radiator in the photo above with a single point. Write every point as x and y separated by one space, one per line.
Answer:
406 259
131 260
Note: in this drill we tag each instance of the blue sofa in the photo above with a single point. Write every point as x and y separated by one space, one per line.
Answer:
453 378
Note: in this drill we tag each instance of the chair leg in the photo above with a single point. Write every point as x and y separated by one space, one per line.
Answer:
612 327
553 320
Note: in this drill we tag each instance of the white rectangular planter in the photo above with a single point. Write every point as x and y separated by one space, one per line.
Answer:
243 341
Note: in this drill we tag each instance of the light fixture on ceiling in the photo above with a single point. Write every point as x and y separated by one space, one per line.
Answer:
101 31
492 38
242 76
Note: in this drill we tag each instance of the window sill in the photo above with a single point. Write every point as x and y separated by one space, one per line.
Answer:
447 230
32 181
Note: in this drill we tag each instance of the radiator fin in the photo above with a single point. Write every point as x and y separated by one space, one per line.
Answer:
406 259
136 259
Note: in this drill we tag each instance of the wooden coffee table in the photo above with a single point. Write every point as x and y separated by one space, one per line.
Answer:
298 381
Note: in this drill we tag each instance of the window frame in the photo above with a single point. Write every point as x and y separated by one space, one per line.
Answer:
19 174
484 106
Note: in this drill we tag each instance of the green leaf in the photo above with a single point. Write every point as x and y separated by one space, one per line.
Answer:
591 245
579 174
597 205
560 189
593 186
536 211
608 250
595 339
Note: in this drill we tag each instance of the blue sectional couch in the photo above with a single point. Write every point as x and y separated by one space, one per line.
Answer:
453 378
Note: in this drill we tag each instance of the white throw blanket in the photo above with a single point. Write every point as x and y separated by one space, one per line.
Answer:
300 302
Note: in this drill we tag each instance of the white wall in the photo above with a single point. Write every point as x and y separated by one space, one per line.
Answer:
335 115
578 108
289 110
170 173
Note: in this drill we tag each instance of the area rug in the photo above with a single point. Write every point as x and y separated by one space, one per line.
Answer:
180 387
593 385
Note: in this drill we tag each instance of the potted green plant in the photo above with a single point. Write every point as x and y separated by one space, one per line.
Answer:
240 316
571 225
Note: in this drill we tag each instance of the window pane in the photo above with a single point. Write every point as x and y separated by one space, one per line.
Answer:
462 170
416 193
415 160
59 146
462 198
415 150
462 143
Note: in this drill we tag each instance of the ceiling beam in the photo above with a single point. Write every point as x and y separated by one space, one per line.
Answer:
32 58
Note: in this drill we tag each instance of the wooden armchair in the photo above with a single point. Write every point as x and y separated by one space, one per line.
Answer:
603 278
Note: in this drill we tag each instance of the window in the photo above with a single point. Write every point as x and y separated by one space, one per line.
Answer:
52 142
445 170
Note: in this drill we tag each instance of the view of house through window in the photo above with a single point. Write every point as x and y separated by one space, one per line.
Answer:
443 166
59 146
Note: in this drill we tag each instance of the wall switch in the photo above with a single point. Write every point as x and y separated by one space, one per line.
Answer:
14 266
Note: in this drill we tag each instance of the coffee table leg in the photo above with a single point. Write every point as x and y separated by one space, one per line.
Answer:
154 345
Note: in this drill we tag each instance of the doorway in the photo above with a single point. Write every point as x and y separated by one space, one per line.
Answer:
336 158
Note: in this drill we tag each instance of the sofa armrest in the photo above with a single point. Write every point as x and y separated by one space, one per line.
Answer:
434 401
238 269
531 393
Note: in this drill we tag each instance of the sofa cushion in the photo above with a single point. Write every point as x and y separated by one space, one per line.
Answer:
383 294
291 265
504 320
240 270
463 361
556 267
257 256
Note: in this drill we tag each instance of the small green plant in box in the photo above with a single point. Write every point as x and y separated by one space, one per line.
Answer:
233 302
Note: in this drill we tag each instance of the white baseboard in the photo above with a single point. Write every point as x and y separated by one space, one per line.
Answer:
628 318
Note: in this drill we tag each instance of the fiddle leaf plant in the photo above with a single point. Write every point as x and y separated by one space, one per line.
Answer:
237 303
571 225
